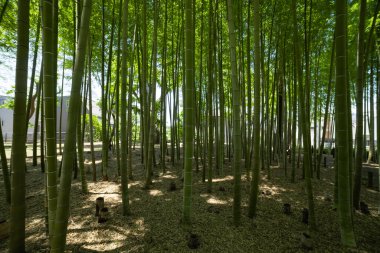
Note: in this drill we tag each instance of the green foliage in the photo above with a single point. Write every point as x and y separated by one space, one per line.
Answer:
9 102
97 128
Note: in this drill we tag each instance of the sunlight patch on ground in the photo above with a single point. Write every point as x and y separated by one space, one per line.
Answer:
33 234
134 183
89 162
169 176
140 222
216 201
273 190
109 191
223 179
110 239
155 193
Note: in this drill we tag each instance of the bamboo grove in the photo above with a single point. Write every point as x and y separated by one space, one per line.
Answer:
246 83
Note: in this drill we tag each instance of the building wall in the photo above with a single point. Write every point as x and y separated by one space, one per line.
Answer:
6 120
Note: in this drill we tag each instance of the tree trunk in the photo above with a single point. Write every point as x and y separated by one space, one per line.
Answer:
210 85
304 125
188 111
90 112
17 226
371 129
80 145
49 106
153 116
359 106
256 130
123 128
326 116
104 104
38 106
60 228
61 104
4 167
236 116
342 142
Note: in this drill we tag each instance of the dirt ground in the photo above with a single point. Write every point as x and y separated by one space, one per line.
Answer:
154 224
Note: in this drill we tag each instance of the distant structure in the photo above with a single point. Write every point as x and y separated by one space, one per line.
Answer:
6 119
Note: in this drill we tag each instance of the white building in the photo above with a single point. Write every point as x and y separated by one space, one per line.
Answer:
6 119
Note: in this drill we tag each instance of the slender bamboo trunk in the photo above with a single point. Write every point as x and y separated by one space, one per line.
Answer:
342 115
61 104
236 116
360 80
163 147
123 128
221 98
304 125
326 115
210 69
4 167
42 122
80 140
117 87
256 130
90 111
130 91
31 98
189 111
151 153
17 225
60 228
294 123
104 103
49 106
35 130
371 115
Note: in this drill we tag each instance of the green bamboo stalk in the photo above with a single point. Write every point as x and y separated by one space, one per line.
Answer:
188 111
62 215
17 225
342 142
123 128
236 165
48 95
256 130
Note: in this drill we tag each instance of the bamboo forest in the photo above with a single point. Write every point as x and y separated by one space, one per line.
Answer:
189 126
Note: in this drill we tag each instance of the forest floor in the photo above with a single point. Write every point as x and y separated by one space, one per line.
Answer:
154 224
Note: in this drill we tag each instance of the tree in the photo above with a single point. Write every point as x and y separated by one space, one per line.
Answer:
153 116
235 114
17 226
342 143
90 112
188 111
210 121
256 130
4 167
304 123
359 105
62 215
123 129
104 104
49 90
